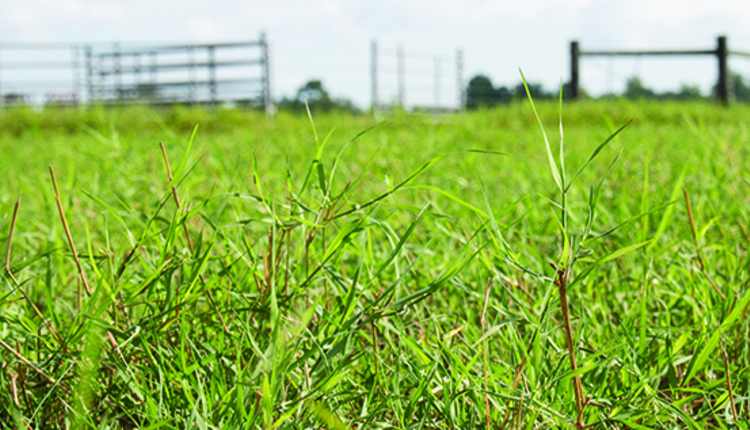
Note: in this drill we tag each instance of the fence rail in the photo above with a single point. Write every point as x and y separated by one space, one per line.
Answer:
423 66
722 52
207 73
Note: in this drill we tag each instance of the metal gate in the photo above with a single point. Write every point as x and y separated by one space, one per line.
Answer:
235 73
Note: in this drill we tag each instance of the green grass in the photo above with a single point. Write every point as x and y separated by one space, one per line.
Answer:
336 273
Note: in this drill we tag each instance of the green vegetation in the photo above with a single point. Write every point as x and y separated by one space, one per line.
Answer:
364 274
314 96
480 93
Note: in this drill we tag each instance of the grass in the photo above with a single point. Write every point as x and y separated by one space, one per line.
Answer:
349 273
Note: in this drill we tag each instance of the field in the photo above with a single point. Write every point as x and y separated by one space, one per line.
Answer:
393 272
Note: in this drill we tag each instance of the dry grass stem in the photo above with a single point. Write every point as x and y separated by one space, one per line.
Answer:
561 281
699 257
174 194
10 238
482 321
15 281
187 238
729 380
26 362
516 382
81 273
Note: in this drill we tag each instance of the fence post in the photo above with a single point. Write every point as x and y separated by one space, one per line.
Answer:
2 96
460 79
267 102
89 76
118 71
191 76
212 73
722 87
401 69
374 73
100 79
575 54
152 66
436 82
136 58
75 63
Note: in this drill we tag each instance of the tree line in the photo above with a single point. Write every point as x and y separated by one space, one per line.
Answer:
482 93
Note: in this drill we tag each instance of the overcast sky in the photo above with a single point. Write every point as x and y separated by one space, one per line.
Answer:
330 40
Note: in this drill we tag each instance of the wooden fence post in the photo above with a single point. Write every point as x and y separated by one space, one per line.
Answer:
575 54
722 87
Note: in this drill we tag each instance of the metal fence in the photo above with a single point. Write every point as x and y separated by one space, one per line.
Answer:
72 74
40 73
435 82
721 52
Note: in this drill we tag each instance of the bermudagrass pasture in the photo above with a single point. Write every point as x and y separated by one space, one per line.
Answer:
359 272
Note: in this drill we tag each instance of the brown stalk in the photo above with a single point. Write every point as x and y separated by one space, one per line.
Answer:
26 362
125 261
561 282
10 237
699 258
286 266
482 321
285 235
268 262
375 344
115 347
13 278
518 413
259 285
266 276
189 241
308 384
516 381
174 194
81 273
729 379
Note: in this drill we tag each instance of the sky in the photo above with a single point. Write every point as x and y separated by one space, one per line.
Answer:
331 40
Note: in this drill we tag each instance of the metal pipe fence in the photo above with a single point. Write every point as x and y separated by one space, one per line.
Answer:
85 74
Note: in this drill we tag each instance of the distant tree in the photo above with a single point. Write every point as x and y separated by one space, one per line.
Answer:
504 95
537 91
567 92
741 88
689 92
481 93
314 93
317 98
635 90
